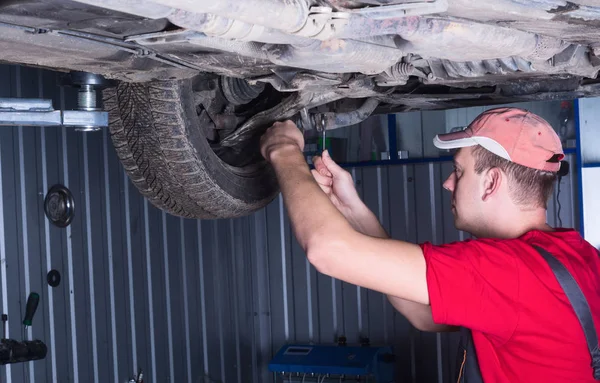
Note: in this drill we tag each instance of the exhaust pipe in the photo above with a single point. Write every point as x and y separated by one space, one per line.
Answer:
336 56
287 15
218 26
210 24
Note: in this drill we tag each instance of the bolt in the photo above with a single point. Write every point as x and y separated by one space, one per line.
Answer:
87 98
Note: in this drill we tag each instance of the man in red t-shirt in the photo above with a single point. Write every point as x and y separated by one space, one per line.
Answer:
498 286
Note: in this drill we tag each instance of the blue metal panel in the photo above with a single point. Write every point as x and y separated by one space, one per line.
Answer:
372 363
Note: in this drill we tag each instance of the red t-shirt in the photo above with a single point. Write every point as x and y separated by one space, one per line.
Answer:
523 326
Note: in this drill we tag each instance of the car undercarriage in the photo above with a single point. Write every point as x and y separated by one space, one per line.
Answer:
235 66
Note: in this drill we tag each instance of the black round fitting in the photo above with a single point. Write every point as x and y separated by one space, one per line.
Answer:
59 206
78 79
53 278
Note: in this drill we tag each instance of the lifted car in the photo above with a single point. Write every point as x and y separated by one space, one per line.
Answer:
197 82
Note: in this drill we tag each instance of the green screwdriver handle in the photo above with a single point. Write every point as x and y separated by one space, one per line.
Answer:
32 304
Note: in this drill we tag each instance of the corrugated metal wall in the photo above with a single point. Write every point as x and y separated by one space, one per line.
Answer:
189 301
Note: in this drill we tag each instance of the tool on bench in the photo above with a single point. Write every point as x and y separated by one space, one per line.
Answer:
14 351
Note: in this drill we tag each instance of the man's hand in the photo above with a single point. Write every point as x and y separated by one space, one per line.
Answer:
338 184
282 137
331 244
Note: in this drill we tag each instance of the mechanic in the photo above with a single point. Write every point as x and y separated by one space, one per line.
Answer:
518 323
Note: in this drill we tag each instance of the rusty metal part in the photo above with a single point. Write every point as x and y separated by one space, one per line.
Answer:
565 8
243 48
287 15
287 109
135 7
218 26
399 74
300 81
304 121
432 38
462 41
331 120
455 46
336 56
211 24
226 121
261 121
442 69
403 9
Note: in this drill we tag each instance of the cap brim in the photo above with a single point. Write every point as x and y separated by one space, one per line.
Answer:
454 140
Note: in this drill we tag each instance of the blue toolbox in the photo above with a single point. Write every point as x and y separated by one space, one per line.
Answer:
332 363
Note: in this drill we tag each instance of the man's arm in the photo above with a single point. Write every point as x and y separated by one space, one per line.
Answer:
332 245
418 314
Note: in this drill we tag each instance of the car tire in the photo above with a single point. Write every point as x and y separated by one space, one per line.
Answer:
157 135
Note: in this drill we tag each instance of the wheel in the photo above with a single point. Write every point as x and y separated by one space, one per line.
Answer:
158 137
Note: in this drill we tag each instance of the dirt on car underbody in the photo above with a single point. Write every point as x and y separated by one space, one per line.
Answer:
233 67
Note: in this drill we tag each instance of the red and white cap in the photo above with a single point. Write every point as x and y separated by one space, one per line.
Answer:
513 134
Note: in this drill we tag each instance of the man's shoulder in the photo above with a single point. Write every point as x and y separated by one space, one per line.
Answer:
478 244
494 248
559 241
566 237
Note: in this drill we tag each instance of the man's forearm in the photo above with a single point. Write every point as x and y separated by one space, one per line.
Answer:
418 314
300 190
364 221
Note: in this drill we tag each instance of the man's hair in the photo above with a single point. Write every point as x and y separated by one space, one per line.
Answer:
529 188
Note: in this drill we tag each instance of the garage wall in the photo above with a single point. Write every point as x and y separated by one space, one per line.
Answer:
415 131
189 301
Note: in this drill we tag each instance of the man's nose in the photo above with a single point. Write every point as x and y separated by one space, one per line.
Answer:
449 183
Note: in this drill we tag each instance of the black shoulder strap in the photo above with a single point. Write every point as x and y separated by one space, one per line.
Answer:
467 363
579 304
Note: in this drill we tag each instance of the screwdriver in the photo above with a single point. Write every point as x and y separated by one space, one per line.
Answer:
323 132
32 304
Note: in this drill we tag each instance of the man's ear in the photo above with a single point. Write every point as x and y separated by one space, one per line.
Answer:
491 183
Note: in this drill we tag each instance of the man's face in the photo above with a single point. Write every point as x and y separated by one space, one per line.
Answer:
464 184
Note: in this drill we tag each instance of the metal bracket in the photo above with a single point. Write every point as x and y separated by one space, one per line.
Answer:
402 10
39 112
323 23
321 19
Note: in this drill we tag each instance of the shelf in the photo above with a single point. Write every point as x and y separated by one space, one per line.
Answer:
406 161
592 165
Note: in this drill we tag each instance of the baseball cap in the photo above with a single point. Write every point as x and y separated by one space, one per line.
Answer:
513 134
